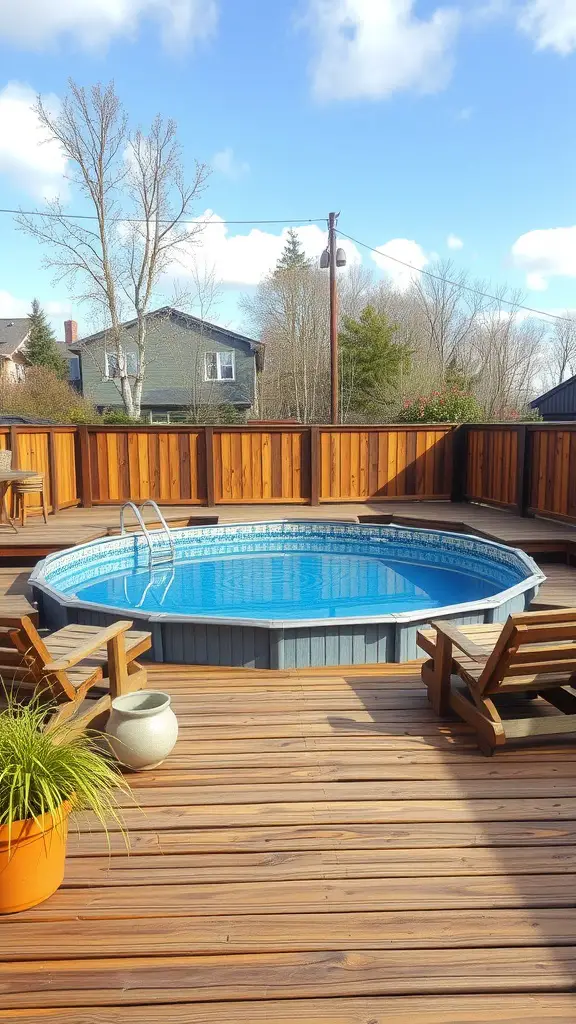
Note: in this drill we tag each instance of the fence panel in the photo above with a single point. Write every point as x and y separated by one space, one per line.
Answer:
553 471
136 463
258 465
31 450
385 463
64 469
492 465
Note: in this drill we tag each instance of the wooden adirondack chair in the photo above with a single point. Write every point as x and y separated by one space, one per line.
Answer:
532 655
82 668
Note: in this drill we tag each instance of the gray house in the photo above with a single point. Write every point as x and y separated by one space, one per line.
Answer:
190 363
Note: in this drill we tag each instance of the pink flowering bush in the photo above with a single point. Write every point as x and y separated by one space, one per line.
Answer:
450 405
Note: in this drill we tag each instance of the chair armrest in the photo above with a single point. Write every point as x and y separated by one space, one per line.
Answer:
93 643
461 641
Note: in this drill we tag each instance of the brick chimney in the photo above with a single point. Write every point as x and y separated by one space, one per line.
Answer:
70 331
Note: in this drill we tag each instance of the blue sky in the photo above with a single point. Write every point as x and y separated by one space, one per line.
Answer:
417 120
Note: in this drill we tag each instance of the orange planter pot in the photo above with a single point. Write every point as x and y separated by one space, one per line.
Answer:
32 860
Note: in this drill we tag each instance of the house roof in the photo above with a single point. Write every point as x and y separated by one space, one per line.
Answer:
13 333
564 386
186 318
66 350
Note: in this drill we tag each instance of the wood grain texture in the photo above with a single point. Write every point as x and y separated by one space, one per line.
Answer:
556 1008
553 471
335 877
376 464
492 465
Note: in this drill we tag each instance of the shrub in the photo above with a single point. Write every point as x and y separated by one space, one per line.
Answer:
41 770
42 394
119 417
450 405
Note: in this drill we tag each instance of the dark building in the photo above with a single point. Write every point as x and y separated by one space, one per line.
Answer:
559 403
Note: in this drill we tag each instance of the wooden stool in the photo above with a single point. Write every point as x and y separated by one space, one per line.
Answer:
32 485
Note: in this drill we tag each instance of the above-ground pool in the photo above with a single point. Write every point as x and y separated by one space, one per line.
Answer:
289 594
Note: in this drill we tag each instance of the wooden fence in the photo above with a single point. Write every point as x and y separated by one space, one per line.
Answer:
51 451
527 468
552 483
494 462
263 463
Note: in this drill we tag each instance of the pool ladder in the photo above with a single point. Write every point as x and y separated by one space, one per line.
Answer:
157 556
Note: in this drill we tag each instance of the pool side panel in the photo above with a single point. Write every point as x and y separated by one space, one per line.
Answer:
194 643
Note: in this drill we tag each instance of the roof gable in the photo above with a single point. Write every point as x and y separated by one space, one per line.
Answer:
569 383
193 322
14 332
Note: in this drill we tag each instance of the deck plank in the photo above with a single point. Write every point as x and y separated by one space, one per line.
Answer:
359 863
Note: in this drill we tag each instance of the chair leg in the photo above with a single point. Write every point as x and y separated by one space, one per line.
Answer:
436 676
44 506
22 499
118 667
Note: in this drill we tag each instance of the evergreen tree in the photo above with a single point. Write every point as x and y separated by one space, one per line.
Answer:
371 362
41 348
292 257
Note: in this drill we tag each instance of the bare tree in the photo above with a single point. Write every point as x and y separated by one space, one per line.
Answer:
563 348
135 187
505 356
290 313
448 312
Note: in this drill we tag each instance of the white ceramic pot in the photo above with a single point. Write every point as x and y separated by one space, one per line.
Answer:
142 729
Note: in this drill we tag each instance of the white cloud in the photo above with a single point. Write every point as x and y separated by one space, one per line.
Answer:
35 24
374 48
453 242
57 312
244 259
226 162
33 164
550 23
408 252
544 254
464 114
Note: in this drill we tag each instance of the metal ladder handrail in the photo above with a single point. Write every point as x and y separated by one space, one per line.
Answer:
138 514
167 530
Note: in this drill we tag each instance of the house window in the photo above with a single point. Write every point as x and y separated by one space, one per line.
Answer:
19 372
219 366
112 364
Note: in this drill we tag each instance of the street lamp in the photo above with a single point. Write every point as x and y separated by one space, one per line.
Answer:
330 259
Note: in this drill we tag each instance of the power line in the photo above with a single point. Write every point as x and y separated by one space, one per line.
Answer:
456 284
140 220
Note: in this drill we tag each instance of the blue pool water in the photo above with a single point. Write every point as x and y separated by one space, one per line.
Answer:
288 585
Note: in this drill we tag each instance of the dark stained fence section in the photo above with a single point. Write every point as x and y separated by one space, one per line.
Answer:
552 490
493 464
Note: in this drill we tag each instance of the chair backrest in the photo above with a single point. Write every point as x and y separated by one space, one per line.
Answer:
28 641
535 650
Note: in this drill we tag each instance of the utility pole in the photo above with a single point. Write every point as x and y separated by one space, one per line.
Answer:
334 367
333 258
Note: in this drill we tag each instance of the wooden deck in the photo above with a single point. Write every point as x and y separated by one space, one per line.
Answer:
78 525
319 848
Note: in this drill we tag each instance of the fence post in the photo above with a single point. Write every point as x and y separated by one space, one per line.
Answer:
459 462
314 465
14 448
83 469
523 471
209 442
53 471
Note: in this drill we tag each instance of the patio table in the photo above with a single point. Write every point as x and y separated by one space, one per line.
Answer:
7 477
